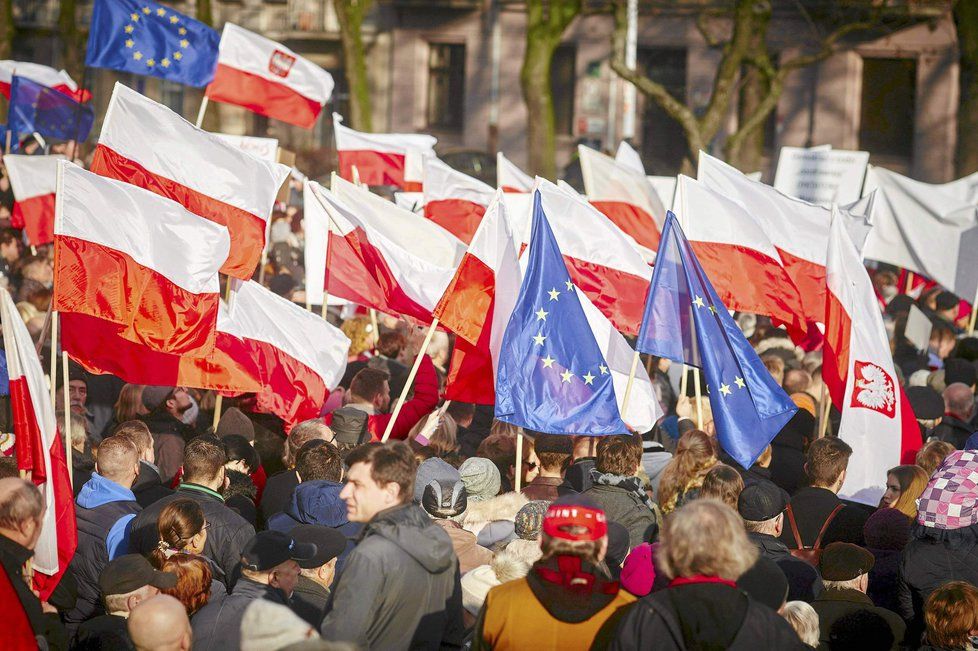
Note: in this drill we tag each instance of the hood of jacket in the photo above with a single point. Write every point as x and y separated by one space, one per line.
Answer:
98 491
318 502
410 528
571 589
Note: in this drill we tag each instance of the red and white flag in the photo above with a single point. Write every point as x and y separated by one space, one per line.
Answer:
510 178
624 195
126 255
40 450
382 256
33 180
382 158
453 200
877 421
148 145
59 80
268 78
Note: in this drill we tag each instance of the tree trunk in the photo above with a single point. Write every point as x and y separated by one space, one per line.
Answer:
349 14
747 153
966 22
72 47
205 12
7 28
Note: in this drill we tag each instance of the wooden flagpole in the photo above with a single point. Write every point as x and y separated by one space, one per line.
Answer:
684 381
823 411
54 358
217 411
6 148
909 282
410 380
67 412
518 467
203 109
974 312
699 398
628 387
373 324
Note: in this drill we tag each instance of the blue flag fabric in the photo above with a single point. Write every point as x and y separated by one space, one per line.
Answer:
685 321
4 377
34 107
552 376
146 38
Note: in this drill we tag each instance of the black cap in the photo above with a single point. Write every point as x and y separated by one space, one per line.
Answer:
926 403
270 548
762 501
329 543
131 572
349 425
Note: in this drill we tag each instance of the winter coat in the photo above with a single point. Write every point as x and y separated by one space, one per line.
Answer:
227 532
400 587
811 506
627 509
500 507
278 491
82 467
804 582
170 437
470 554
318 502
218 625
953 430
309 601
104 511
547 488
884 578
579 474
709 611
835 603
148 486
45 626
103 632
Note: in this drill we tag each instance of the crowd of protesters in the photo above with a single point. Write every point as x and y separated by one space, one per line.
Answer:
252 535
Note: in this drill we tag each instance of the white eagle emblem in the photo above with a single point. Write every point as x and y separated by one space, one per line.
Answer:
874 389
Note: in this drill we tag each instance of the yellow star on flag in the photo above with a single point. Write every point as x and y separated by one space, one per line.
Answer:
128 29
174 20
539 339
740 382
161 11
146 10
178 55
566 376
725 389
548 361
588 378
541 315
184 43
603 369
134 17
130 42
165 63
698 302
554 294
182 31
150 62
137 55
713 309
569 284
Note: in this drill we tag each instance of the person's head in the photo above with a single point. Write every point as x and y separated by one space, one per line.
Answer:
947 306
21 511
175 401
951 615
705 538
500 448
555 453
203 463
442 440
129 580
804 620
775 366
461 412
193 586
950 500
11 244
329 543
481 478
380 476
576 526
695 454
618 455
722 483
765 583
272 558
826 463
845 566
118 460
927 404
762 506
139 434
942 339
319 460
959 401
267 625
361 334
75 430
77 394
585 446
160 624
796 380
390 344
904 484
181 527
371 386
887 529
932 455
241 454
129 404
307 430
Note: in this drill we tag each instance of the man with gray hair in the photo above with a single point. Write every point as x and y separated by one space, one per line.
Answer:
21 518
160 624
959 408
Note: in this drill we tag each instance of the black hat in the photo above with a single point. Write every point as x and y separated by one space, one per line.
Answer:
765 582
349 425
926 403
444 498
131 572
270 548
329 543
946 300
959 370
762 501
844 561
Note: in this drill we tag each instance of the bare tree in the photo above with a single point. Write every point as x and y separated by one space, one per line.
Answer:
966 23
8 30
205 12
72 39
350 15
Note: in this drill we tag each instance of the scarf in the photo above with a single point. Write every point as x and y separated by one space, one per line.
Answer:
631 484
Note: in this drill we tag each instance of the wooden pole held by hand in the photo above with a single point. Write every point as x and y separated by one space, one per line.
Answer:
67 412
410 381
217 411
518 466
54 358
628 387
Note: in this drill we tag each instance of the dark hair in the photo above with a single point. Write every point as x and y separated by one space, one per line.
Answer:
203 459
390 344
389 462
237 448
137 431
618 455
368 383
8 235
193 588
461 411
724 483
319 460
178 522
555 451
826 460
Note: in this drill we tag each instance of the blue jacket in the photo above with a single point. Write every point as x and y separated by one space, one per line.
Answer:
318 502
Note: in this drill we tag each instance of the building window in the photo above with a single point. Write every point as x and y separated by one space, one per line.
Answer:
562 87
663 142
886 123
446 86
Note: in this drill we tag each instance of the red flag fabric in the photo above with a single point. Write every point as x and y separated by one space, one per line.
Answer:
453 200
382 158
33 180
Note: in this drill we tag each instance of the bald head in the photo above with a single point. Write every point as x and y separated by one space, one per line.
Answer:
21 511
959 400
160 624
118 460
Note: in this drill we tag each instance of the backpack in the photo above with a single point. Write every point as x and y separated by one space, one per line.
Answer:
813 554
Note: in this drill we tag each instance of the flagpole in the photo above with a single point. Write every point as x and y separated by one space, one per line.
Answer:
823 412
410 380
217 411
54 357
200 113
974 312
67 412
6 149
628 387
910 280
699 398
518 467
684 382
373 324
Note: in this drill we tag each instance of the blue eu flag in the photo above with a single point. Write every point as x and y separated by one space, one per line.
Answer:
146 38
34 107
685 321
552 376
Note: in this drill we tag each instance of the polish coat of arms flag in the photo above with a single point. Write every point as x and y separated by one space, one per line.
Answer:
40 451
509 177
268 78
143 262
58 80
453 200
148 145
624 195
382 158
877 420
33 180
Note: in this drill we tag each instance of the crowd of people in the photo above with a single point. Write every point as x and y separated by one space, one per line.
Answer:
253 535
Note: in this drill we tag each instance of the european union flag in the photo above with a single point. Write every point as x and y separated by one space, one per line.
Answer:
146 38
34 107
685 321
552 376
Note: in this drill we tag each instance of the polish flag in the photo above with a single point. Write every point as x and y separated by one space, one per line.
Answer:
510 178
737 254
40 450
624 195
33 180
877 421
126 255
59 80
382 256
148 145
382 158
268 78
453 200
627 156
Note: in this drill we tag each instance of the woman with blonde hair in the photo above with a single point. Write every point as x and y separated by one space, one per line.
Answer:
441 439
129 406
682 478
904 484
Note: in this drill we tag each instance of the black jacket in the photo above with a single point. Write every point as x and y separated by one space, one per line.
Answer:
703 616
277 494
788 451
811 507
227 532
170 436
884 579
218 625
309 601
45 625
400 588
102 633
835 603
804 582
148 486
953 430
82 467
579 474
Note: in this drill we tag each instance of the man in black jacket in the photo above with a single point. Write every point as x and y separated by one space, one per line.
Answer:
21 518
959 408
169 408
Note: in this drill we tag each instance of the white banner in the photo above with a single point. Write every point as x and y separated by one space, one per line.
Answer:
263 148
820 175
